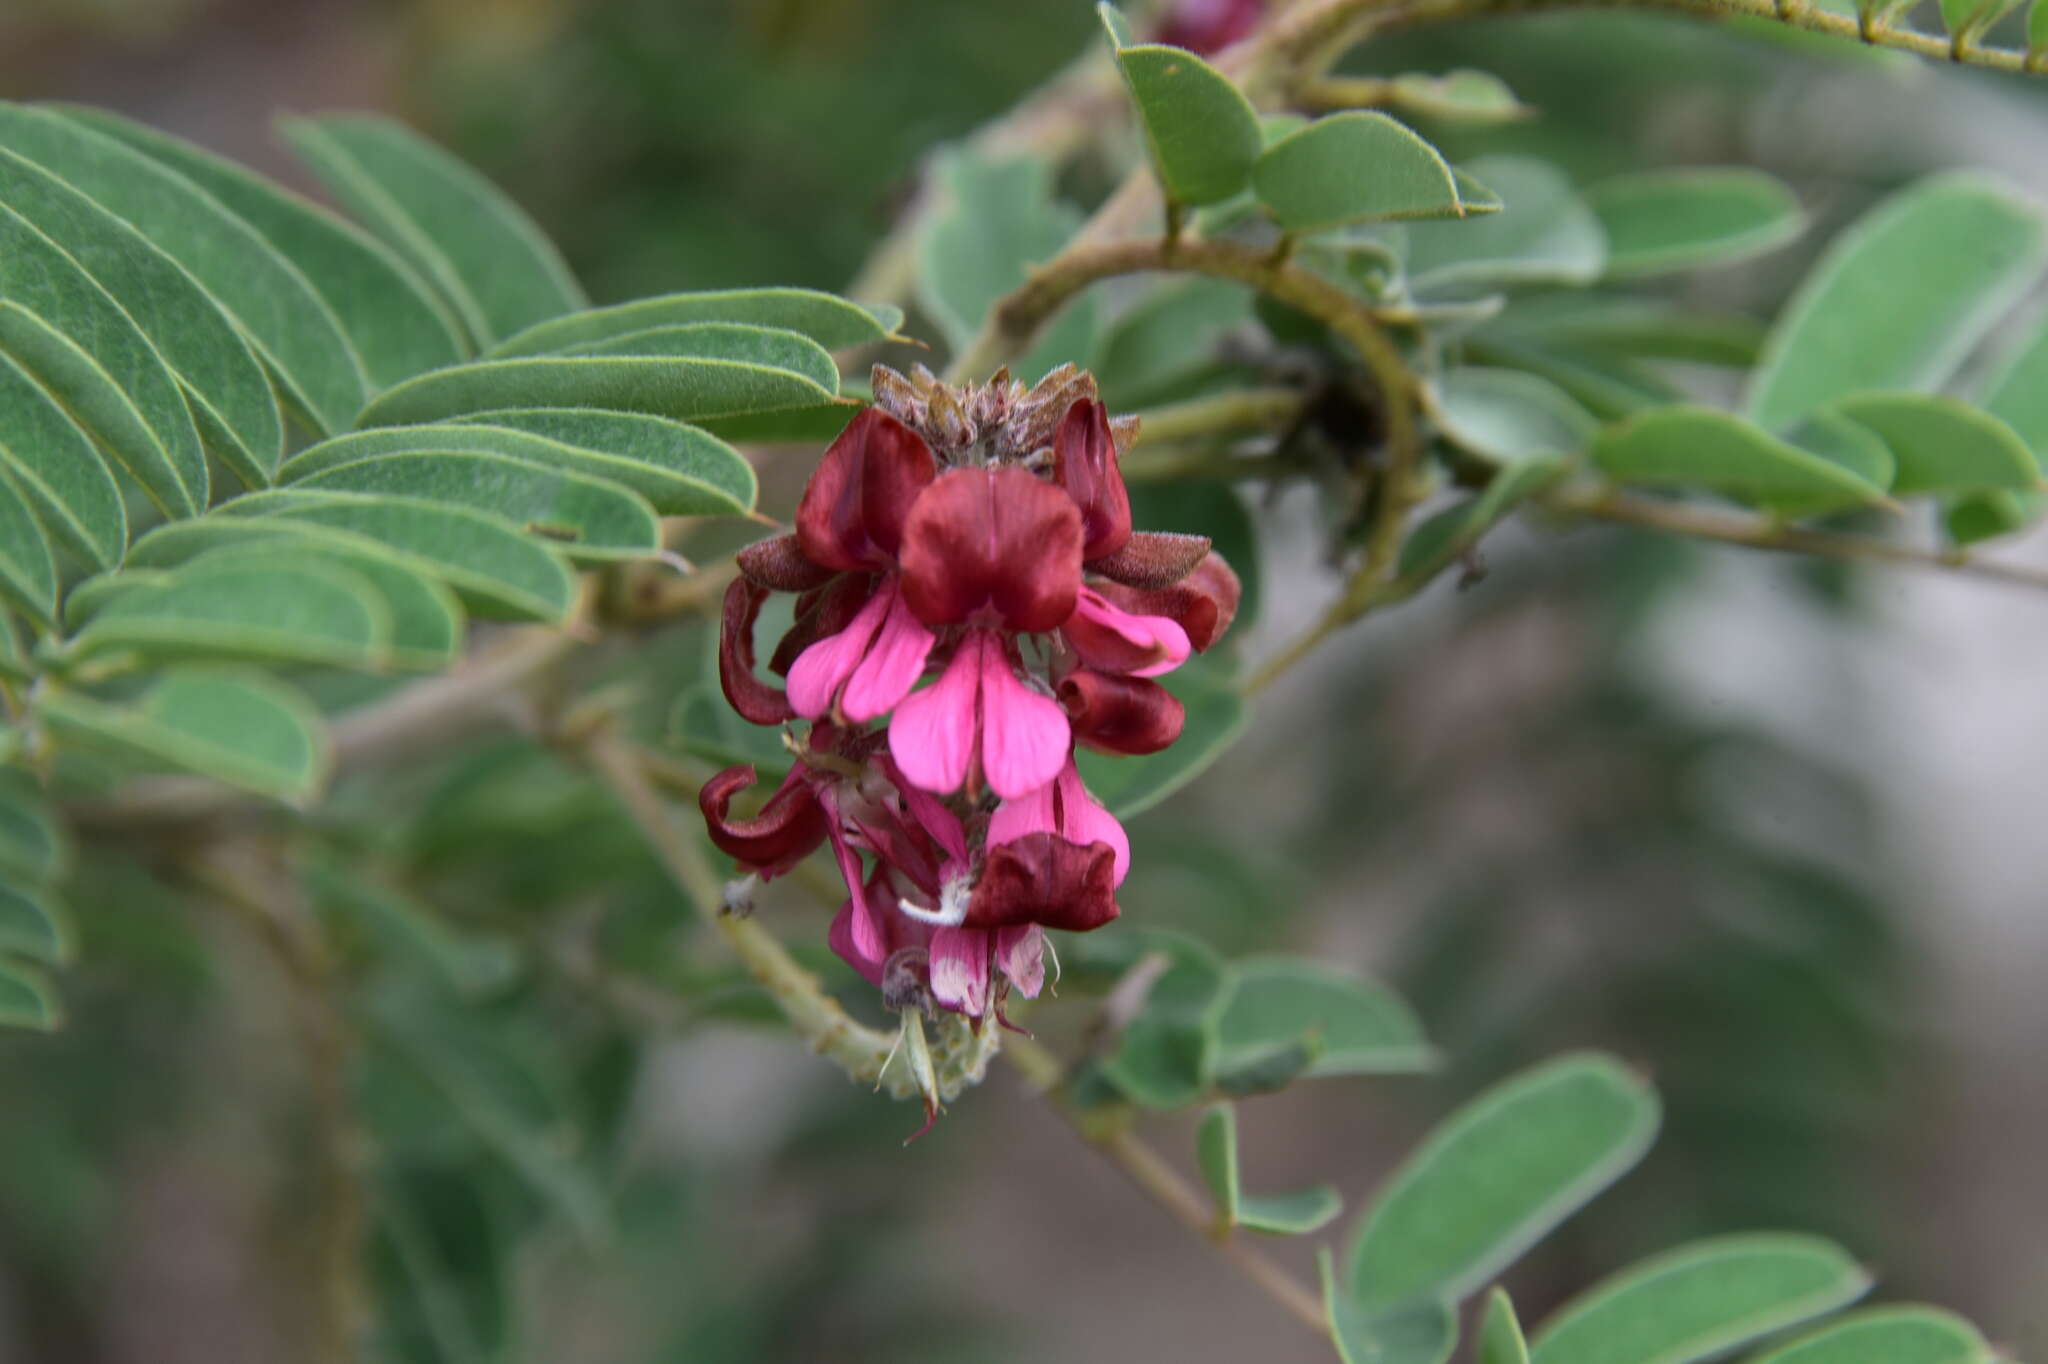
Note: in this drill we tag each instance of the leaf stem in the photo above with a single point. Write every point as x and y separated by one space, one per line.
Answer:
1734 528
1158 1180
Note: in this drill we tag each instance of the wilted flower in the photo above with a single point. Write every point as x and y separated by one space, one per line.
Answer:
976 541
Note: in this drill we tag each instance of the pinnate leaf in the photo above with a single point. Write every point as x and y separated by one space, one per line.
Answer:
1543 234
1202 131
1359 1027
1680 219
397 325
1699 447
1900 298
243 728
56 469
497 570
492 265
684 389
1701 1300
294 611
1887 1335
120 391
1497 1175
285 319
832 322
1942 445
28 571
590 519
1353 167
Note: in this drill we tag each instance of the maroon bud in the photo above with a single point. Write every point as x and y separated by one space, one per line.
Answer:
754 699
1152 559
853 508
1045 879
1203 603
995 538
789 828
1084 463
1117 714
780 564
1206 26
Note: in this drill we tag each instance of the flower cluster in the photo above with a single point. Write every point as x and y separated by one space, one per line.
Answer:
977 541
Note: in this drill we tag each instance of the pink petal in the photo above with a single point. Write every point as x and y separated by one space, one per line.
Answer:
930 813
1107 636
960 969
893 664
844 941
1024 736
1085 822
931 736
1020 951
1028 814
820 670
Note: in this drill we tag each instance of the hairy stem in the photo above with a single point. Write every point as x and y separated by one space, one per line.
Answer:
815 1016
1160 1182
259 896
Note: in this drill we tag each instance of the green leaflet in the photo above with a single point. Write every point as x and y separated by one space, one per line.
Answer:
1422 1332
1659 221
229 392
284 318
1900 298
1702 448
35 924
682 470
33 847
832 322
1966 20
1353 167
1507 416
252 608
673 479
28 571
1202 131
685 389
55 467
1291 1214
1460 96
1543 234
1500 1333
1624 325
120 393
589 518
1942 445
425 618
2019 395
768 347
242 728
492 265
1168 339
1701 1300
26 999
1496 1175
395 323
1887 1335
1354 1026
498 571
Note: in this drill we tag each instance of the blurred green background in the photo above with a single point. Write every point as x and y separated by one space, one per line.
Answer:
1768 829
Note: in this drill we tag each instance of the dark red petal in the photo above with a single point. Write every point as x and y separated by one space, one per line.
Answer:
1045 879
780 564
790 826
754 699
1203 603
820 612
1084 463
853 508
1152 559
998 538
1206 26
1121 714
